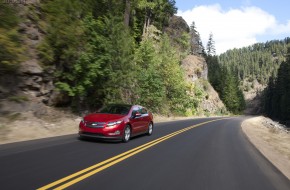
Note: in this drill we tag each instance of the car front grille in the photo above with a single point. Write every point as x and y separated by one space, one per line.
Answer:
95 124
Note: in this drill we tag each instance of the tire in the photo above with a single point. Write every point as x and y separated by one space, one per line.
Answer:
126 134
150 129
81 138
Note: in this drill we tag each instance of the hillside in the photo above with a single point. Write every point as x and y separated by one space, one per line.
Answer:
63 56
255 65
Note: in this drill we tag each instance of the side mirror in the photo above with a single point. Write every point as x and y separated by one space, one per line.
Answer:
137 114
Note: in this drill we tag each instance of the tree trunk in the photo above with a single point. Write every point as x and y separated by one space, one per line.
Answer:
146 23
127 13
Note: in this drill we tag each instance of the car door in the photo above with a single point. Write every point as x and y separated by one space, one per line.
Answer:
145 119
136 122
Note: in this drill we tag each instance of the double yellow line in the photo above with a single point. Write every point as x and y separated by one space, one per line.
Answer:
85 173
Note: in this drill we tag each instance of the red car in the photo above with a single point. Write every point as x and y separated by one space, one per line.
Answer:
117 122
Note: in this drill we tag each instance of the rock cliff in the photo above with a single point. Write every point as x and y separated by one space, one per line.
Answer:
31 88
195 68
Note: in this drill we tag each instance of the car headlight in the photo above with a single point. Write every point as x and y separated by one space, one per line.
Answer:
113 123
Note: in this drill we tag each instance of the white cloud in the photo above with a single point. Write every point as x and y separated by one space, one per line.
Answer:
233 28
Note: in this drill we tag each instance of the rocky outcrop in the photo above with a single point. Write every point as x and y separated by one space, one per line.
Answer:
32 87
176 30
195 67
196 70
176 27
35 81
253 91
212 102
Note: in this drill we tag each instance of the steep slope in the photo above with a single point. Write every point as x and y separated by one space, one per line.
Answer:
254 65
196 70
98 70
194 66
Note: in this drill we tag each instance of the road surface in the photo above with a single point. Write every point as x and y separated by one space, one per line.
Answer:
201 154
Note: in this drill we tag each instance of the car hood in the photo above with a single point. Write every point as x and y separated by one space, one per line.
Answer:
103 117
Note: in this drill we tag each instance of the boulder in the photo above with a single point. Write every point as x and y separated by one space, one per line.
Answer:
30 67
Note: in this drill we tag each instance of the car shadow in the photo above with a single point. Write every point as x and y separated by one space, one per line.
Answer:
104 141
101 141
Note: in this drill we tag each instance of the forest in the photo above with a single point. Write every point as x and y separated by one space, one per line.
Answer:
277 94
258 61
107 51
268 63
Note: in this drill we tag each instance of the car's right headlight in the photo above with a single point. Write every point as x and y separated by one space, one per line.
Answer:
113 123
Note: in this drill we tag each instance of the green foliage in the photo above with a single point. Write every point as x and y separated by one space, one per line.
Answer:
18 99
103 68
8 16
120 80
183 42
99 59
257 61
277 94
210 46
226 84
64 39
45 53
195 41
161 80
10 46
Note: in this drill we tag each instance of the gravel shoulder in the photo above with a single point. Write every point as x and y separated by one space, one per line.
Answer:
271 140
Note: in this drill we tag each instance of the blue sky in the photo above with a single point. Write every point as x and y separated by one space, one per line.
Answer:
237 23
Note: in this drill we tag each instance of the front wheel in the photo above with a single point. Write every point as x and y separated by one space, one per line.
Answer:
150 129
127 134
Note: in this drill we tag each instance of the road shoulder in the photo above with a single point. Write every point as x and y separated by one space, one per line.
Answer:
272 142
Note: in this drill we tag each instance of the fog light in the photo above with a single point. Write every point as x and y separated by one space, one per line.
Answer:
115 133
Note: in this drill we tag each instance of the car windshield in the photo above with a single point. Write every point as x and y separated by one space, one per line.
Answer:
116 109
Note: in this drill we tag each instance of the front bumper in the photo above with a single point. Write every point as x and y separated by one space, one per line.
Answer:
99 136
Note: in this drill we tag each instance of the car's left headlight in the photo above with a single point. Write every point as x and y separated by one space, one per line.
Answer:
114 123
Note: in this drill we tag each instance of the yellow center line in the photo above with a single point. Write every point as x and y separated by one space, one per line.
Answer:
114 160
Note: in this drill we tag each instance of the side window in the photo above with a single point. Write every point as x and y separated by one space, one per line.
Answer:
135 109
144 111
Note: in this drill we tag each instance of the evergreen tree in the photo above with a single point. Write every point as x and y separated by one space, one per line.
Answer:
210 47
195 41
226 84
277 94
150 85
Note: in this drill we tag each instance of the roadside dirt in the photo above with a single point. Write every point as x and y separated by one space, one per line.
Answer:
25 126
270 140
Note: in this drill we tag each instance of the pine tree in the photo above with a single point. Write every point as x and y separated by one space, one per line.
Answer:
210 47
277 94
195 41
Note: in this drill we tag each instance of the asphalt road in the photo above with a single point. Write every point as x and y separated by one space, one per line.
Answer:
179 155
